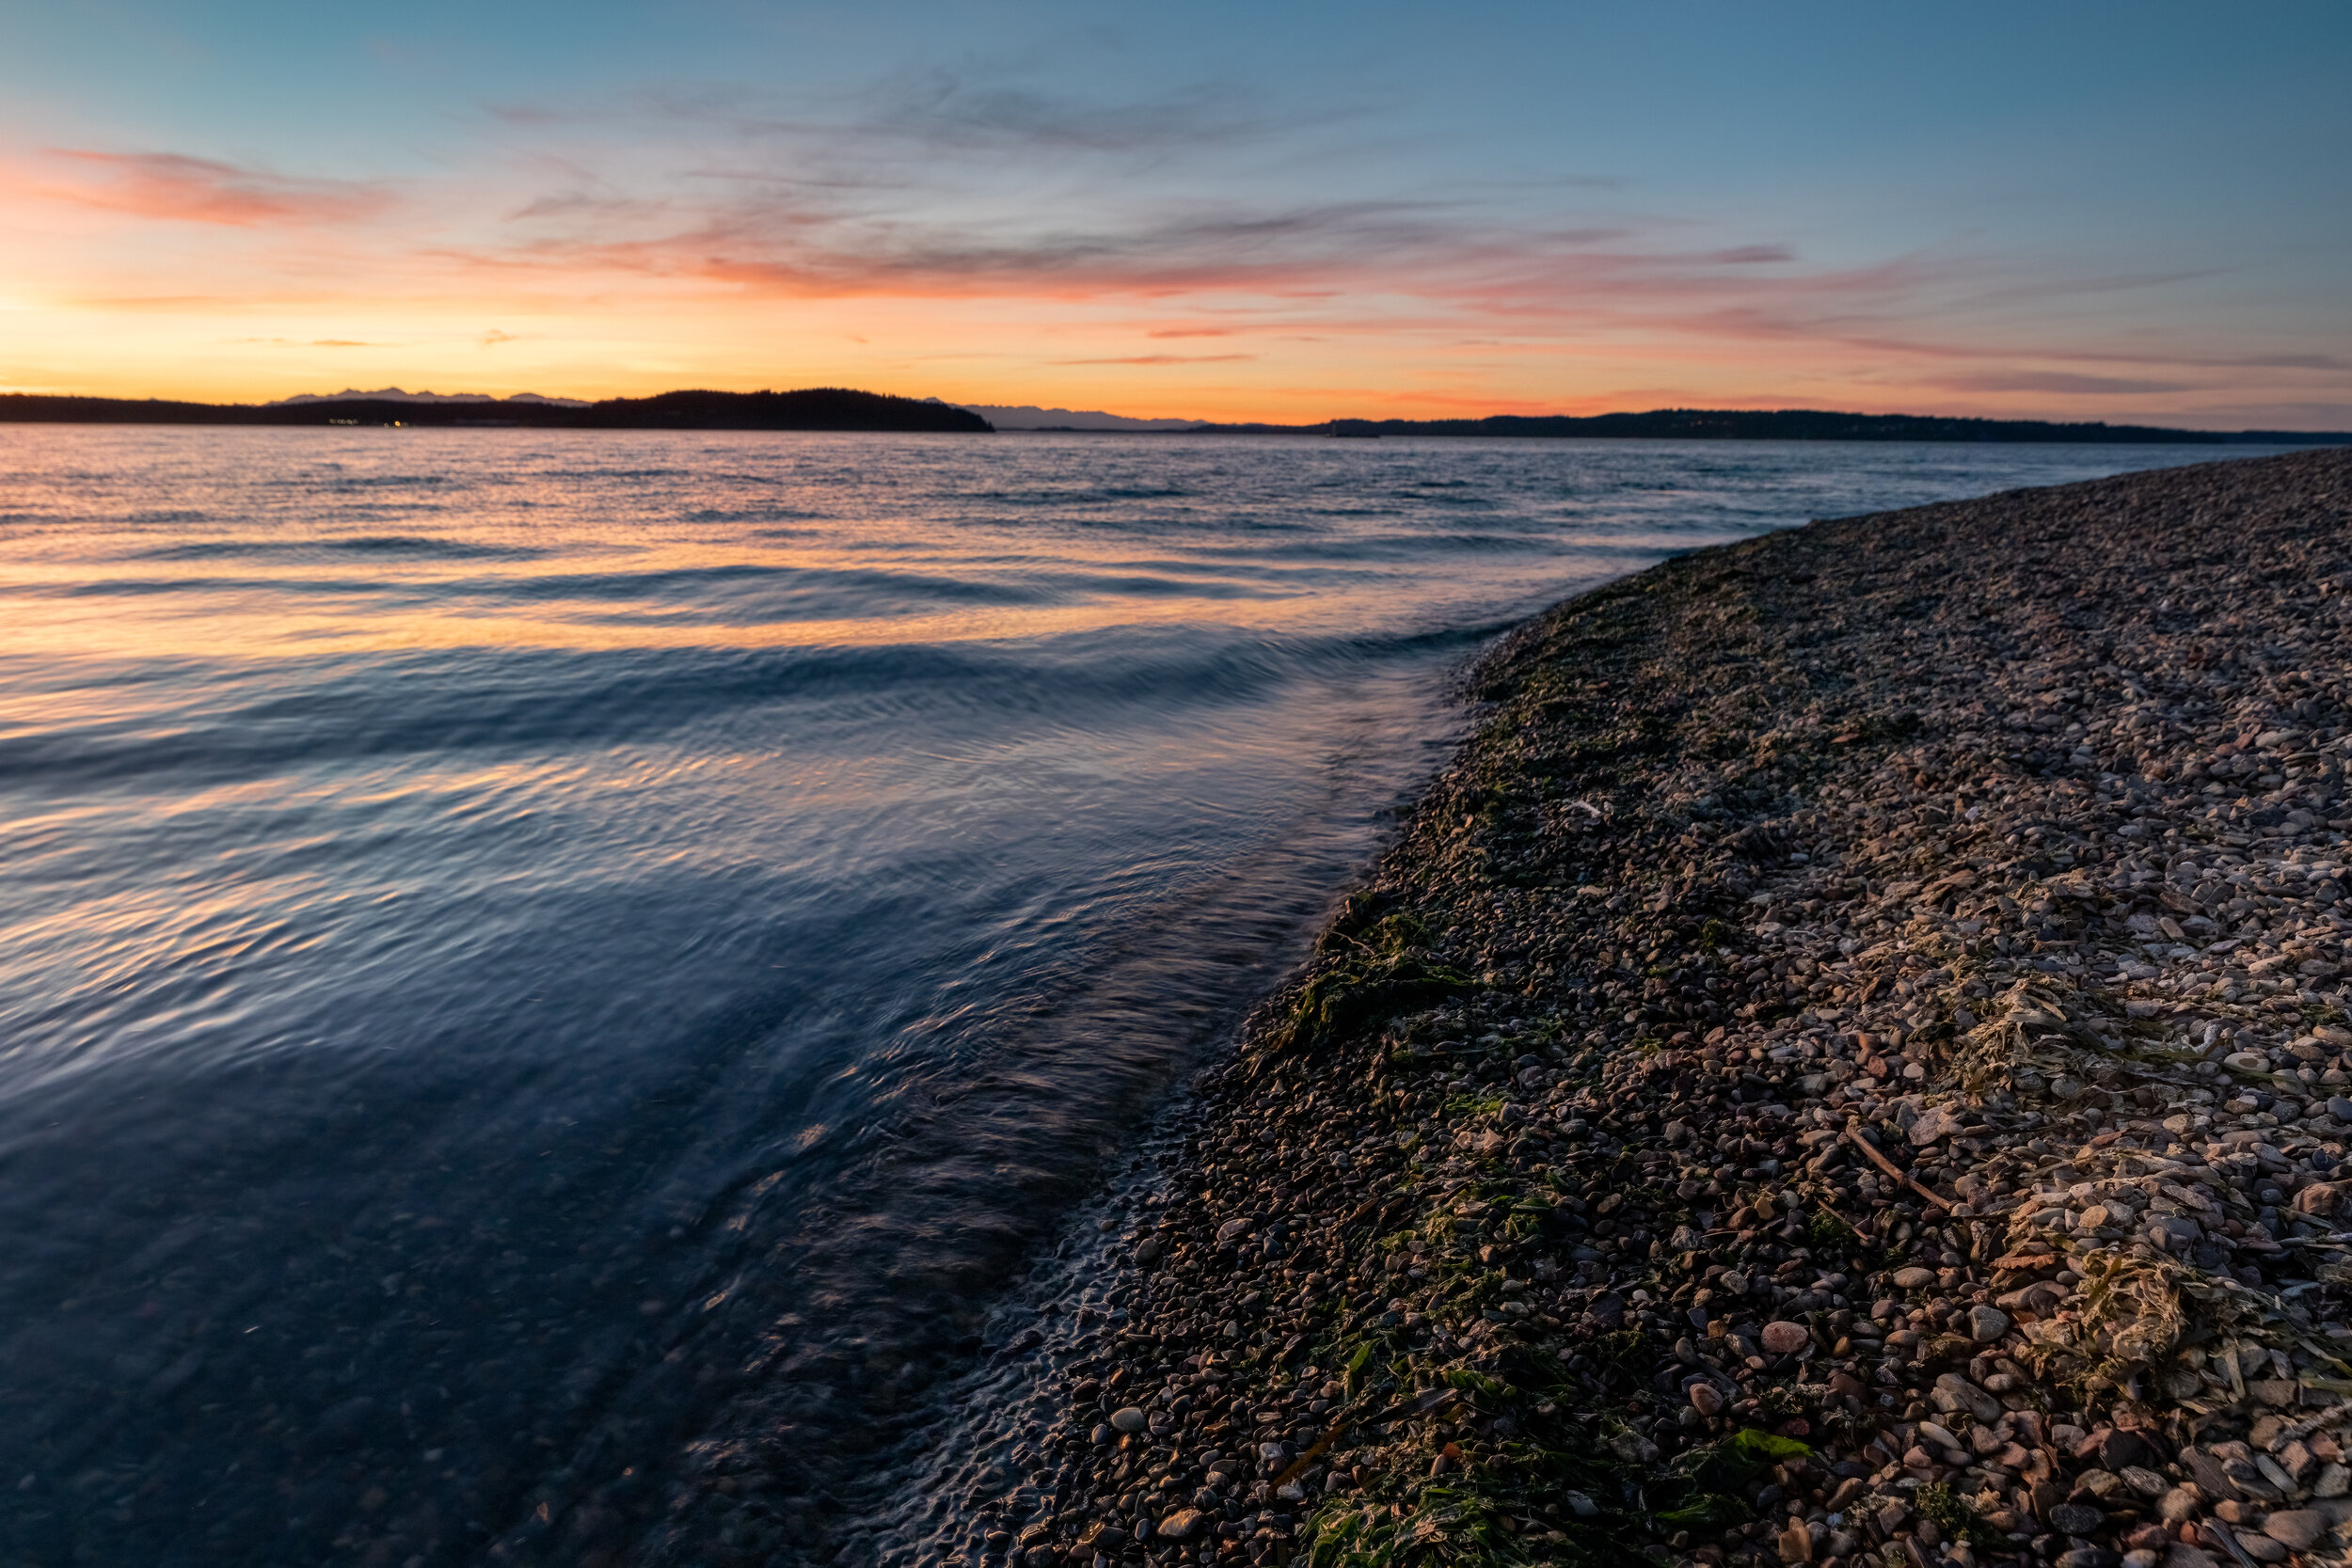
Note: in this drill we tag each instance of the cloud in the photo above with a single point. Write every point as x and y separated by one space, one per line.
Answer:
1160 359
2056 381
199 190
494 337
341 342
987 109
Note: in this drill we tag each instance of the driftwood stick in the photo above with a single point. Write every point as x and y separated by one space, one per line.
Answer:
1853 1136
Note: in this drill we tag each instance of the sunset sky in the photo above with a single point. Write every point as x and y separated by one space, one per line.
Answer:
2122 211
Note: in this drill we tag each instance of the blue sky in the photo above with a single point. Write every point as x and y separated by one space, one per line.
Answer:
2105 212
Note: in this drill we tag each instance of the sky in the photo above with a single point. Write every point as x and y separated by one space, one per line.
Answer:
1288 212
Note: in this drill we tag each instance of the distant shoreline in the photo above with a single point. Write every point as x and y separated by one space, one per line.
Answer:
812 408
842 409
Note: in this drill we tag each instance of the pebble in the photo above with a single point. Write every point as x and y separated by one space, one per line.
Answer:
1180 1525
2298 1529
1987 1325
2076 1518
1892 832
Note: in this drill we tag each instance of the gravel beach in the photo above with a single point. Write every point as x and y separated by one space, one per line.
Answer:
1848 1066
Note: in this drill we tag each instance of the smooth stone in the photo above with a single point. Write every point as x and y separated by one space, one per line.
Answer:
2262 1548
1914 1278
1785 1338
1954 1392
1706 1399
1987 1323
1130 1420
1181 1523
2076 1518
2297 1528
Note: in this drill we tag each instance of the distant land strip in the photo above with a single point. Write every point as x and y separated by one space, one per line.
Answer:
812 408
1794 424
840 408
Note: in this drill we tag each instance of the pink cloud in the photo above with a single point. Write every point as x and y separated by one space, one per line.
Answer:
1160 359
199 190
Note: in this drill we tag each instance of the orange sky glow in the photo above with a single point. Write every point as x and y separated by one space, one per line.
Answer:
1178 250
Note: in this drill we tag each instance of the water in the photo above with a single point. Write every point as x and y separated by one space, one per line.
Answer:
537 970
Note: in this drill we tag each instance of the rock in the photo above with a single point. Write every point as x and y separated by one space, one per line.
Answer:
1130 1419
1954 1392
1705 1397
1580 1505
1234 1229
2298 1529
2076 1518
2182 1555
1796 1543
2334 1482
1785 1338
2177 1506
2088 1556
1934 1123
2120 1449
2144 1481
2262 1548
1914 1278
1180 1525
1986 1324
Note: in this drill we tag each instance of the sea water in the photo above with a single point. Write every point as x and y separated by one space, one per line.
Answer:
539 970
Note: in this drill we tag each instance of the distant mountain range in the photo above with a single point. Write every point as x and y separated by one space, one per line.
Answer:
839 408
394 394
1030 416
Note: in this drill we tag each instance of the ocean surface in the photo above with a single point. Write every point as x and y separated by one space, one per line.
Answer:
549 980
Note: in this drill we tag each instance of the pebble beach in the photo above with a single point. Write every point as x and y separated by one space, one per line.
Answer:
1849 1065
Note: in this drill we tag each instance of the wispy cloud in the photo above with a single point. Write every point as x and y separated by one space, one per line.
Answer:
2056 381
200 190
1159 359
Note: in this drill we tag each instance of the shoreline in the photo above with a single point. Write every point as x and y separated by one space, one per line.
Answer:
1786 1095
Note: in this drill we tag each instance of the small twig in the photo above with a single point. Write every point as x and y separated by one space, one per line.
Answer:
1854 1135
1433 1400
